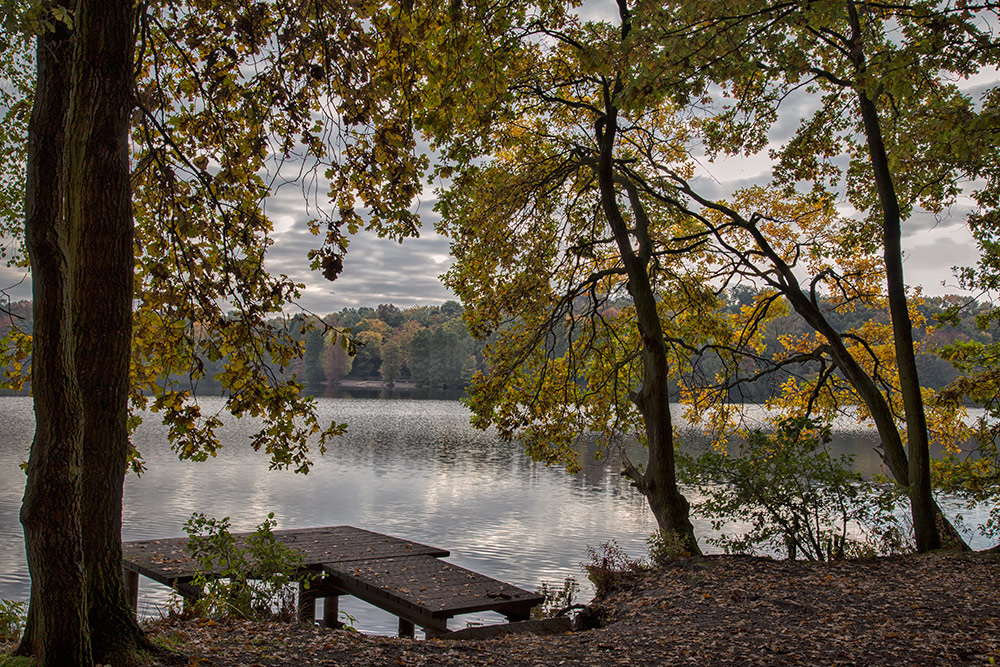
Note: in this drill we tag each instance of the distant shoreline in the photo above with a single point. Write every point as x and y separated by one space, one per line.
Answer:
373 384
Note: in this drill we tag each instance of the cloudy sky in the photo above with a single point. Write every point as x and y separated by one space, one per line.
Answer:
382 271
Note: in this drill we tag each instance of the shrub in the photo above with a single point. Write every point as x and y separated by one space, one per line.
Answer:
252 581
609 564
12 617
557 600
794 496
666 547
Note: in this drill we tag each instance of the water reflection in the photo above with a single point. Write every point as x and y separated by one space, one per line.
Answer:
411 468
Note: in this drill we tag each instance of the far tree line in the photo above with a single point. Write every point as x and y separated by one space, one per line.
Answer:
426 345
430 347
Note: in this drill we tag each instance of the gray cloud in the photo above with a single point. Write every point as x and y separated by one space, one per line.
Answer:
930 256
952 219
15 284
376 270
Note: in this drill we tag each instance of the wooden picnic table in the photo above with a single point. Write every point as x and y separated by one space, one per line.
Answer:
400 576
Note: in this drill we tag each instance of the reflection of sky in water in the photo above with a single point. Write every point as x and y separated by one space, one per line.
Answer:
413 469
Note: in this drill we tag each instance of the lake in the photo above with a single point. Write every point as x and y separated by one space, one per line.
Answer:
410 468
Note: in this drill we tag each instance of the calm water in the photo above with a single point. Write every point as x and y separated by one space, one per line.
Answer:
410 468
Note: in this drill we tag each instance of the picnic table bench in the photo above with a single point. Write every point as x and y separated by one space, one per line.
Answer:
405 578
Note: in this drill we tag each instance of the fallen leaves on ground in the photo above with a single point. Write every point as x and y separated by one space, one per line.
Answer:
934 609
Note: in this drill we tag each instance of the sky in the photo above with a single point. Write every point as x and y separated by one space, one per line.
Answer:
380 271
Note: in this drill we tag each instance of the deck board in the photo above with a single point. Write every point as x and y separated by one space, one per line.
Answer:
433 586
167 561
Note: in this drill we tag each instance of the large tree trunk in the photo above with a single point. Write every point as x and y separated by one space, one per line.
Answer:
79 232
56 632
921 500
659 481
100 204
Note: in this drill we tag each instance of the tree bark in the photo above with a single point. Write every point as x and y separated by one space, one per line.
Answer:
659 481
56 631
100 205
79 232
922 504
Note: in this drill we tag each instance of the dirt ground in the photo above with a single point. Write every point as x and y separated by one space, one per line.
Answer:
935 609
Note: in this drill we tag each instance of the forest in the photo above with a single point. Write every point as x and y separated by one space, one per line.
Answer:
430 346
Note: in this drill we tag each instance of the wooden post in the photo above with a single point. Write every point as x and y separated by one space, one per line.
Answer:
521 613
406 628
132 589
190 594
307 604
331 611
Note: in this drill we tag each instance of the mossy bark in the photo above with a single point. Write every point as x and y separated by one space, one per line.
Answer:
56 632
79 232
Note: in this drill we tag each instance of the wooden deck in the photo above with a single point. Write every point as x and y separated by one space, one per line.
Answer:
425 591
403 577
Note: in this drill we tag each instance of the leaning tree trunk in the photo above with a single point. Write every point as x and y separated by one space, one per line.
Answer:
922 506
659 481
893 454
56 632
921 500
100 203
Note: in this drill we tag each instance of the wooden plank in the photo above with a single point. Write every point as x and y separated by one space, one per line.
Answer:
428 587
383 599
168 562
542 627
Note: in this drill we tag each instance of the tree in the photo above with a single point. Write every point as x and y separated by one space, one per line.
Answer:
389 314
392 361
315 374
78 224
219 96
799 250
420 356
886 104
368 355
550 232
336 359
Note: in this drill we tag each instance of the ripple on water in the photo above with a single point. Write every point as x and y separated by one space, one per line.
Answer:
410 468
